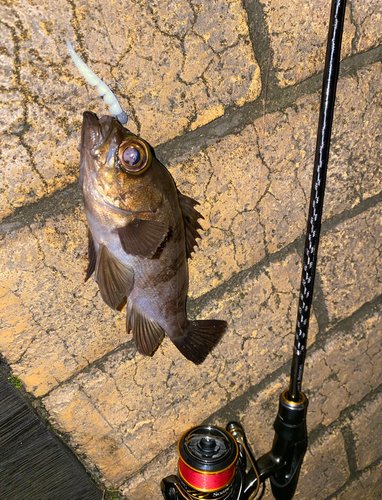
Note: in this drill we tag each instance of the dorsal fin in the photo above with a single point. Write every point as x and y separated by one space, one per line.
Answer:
191 224
115 279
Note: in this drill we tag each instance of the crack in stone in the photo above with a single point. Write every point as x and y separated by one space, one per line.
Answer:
112 428
31 340
43 256
22 88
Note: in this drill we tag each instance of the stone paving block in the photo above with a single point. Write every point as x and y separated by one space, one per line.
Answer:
344 370
366 424
254 186
287 143
354 172
38 156
53 323
106 453
262 313
367 487
298 35
253 201
228 196
324 469
16 167
350 263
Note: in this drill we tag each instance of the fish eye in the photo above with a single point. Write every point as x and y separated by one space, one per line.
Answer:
134 155
131 156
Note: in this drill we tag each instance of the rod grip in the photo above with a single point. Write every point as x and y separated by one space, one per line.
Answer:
291 437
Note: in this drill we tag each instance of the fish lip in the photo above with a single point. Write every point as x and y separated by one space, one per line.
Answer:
95 131
94 135
90 127
91 136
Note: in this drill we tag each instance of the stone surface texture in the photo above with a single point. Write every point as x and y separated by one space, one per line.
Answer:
228 92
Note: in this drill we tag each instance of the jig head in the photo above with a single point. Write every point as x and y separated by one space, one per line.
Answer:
103 89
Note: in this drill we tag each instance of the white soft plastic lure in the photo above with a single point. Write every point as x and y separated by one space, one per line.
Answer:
103 89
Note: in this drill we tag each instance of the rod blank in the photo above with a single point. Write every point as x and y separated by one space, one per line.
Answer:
329 87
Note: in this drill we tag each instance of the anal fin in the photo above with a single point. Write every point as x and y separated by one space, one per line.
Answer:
146 332
200 338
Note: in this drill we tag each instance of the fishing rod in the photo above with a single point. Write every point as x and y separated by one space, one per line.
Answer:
217 463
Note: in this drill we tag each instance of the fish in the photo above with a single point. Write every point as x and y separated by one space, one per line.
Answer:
141 231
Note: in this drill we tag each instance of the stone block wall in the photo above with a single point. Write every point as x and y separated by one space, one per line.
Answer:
228 92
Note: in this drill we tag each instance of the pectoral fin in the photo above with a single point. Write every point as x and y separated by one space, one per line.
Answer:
143 237
146 332
191 224
115 279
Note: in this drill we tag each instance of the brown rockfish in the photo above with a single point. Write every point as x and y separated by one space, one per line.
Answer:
142 230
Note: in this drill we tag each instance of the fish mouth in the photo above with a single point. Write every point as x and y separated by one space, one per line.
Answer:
95 131
97 136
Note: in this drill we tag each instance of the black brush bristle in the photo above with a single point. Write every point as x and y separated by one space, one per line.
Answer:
34 463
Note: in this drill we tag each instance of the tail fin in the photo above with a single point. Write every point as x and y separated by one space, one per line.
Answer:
200 338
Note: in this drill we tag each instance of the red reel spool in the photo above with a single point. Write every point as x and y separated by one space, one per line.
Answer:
207 461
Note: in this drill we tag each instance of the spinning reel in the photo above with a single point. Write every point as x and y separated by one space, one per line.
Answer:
216 463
